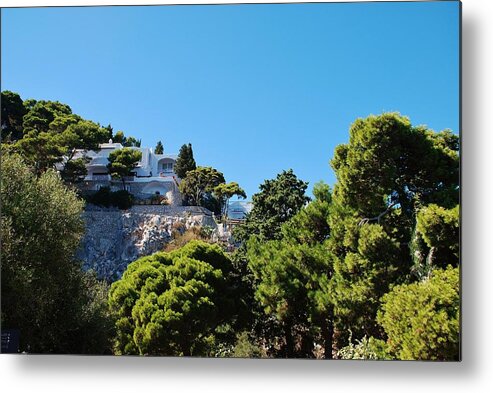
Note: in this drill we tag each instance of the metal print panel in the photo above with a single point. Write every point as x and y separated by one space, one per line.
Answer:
257 181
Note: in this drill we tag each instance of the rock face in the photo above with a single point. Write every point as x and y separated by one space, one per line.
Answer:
115 238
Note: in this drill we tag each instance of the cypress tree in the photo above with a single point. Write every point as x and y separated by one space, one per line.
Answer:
185 161
159 148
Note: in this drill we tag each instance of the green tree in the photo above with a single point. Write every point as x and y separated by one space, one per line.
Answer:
121 162
279 200
78 136
291 285
185 161
130 141
119 137
172 303
385 174
83 135
224 192
159 148
439 228
41 150
388 162
40 114
74 171
13 111
199 184
45 294
292 276
421 319
60 123
310 225
52 134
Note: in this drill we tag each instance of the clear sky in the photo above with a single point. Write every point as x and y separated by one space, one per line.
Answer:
255 88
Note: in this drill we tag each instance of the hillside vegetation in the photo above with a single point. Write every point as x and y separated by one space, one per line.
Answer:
367 269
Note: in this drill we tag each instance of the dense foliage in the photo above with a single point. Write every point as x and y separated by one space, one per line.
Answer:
367 270
421 319
104 197
386 174
47 133
392 219
198 185
292 275
159 149
185 161
279 200
56 307
122 162
205 186
173 303
130 141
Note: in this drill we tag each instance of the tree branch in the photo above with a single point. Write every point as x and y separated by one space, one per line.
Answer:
377 218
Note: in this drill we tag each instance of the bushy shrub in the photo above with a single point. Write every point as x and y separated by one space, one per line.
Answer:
182 236
171 303
421 319
121 199
365 349
56 306
246 347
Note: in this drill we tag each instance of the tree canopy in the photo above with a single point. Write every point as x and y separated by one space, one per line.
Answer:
387 172
159 148
171 303
45 294
279 200
366 269
185 161
292 275
13 111
199 184
129 141
122 162
48 133
224 192
421 319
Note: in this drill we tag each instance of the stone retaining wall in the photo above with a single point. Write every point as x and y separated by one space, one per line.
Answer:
114 238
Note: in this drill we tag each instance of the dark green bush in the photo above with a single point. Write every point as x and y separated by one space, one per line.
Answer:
121 199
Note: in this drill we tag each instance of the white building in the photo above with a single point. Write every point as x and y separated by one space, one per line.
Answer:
237 210
153 175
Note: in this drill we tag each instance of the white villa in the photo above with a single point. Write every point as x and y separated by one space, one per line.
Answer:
154 174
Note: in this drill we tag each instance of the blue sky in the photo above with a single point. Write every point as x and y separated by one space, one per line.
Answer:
255 88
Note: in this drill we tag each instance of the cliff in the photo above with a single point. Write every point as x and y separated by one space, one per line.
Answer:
115 238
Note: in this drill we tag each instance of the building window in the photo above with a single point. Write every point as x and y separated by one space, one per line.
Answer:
167 167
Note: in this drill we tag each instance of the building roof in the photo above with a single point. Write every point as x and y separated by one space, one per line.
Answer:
110 145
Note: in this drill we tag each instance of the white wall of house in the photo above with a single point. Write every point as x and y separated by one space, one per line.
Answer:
159 166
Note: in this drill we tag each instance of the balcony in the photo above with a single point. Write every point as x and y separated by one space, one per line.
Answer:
100 177
99 161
